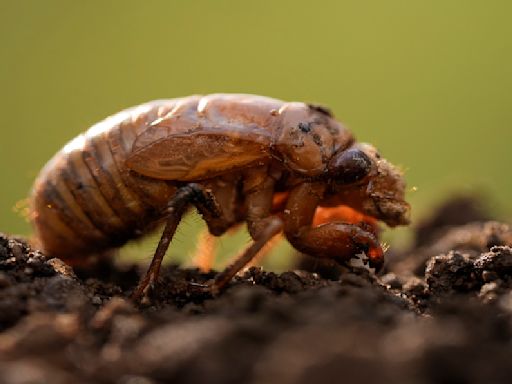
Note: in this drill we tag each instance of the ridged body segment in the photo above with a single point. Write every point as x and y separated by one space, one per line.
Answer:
85 199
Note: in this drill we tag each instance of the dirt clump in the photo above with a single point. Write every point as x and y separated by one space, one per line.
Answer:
440 312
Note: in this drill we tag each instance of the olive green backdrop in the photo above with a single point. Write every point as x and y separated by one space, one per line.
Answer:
428 82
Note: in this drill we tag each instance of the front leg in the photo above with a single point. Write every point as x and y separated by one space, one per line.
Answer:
335 240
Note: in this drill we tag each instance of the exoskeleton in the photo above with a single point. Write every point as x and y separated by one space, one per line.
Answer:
229 155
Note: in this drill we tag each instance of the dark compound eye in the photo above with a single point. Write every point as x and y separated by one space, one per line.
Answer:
349 166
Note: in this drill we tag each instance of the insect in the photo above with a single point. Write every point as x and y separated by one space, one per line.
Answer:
278 166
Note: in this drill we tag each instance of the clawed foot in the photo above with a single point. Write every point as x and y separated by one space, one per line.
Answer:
376 258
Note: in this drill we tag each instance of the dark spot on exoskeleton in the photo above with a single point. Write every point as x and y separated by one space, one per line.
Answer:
305 127
317 139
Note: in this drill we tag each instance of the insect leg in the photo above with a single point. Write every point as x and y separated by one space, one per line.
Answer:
274 226
175 210
267 248
335 240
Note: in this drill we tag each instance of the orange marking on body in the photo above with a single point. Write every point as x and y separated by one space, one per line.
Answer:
343 213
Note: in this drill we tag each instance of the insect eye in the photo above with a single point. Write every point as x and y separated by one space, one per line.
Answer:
349 166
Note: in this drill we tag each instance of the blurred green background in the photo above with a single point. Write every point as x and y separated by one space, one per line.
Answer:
428 82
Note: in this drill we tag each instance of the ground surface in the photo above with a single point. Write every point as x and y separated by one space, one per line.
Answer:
439 313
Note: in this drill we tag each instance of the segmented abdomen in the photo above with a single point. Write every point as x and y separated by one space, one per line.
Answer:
86 200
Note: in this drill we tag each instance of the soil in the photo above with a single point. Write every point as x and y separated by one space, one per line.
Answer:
440 312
